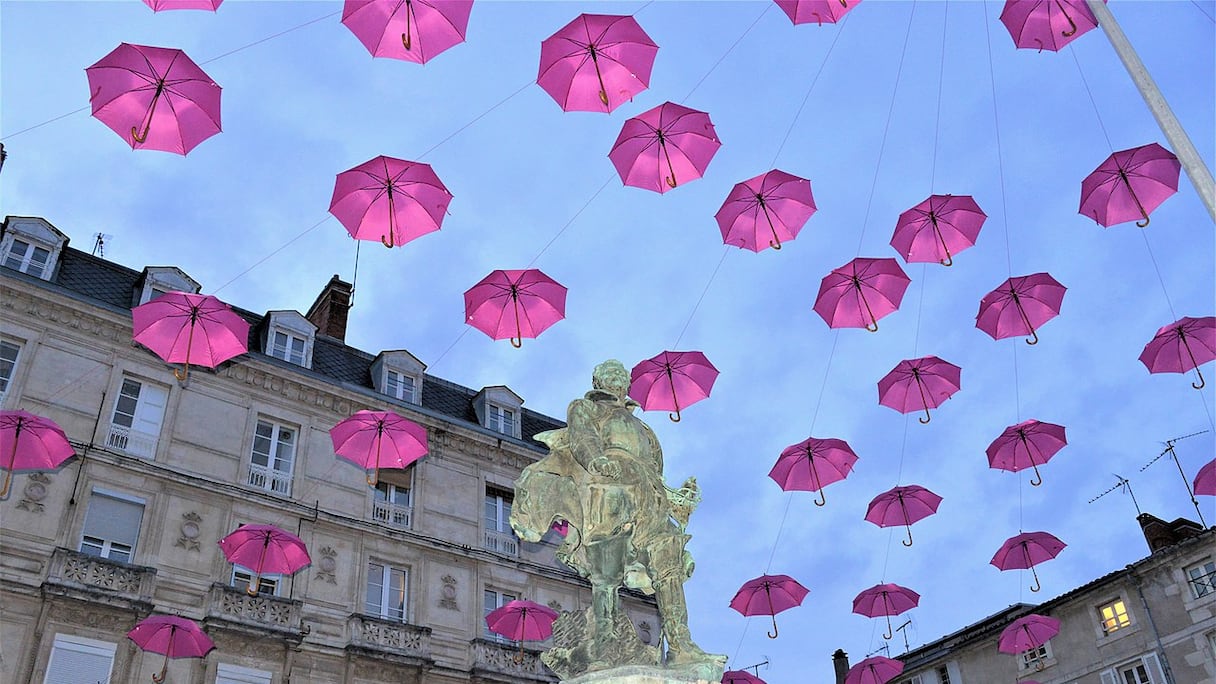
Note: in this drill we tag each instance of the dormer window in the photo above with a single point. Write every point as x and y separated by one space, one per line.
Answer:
155 281
499 409
289 336
501 419
27 258
31 245
399 375
288 347
399 385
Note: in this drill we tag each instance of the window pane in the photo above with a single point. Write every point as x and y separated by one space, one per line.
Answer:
8 361
128 399
285 450
375 589
38 262
261 443
114 521
396 601
16 254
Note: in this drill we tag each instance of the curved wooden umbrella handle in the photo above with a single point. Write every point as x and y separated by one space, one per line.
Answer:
12 460
775 243
670 180
1071 31
866 303
407 37
1192 355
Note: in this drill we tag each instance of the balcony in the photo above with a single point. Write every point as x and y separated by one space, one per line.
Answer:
391 514
270 480
131 442
389 640
499 659
100 580
234 608
502 542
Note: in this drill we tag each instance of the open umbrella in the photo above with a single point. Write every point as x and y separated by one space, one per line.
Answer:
515 304
1019 306
30 442
1205 479
1046 24
859 293
812 464
874 670
185 328
409 30
264 549
522 621
919 385
1186 344
1026 550
596 62
390 200
663 147
379 439
154 98
762 211
818 11
769 595
672 381
173 636
162 5
1026 445
1129 185
938 228
1027 632
740 677
902 506
885 599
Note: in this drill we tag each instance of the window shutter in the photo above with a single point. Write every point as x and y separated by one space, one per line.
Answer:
233 674
1110 677
79 661
150 410
1153 665
113 519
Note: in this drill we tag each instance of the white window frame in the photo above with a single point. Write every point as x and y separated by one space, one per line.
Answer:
500 599
32 233
269 584
160 280
503 419
270 476
1104 625
8 367
401 385
382 574
499 536
1150 663
1036 658
109 548
1201 578
287 351
80 645
385 506
140 433
226 673
26 261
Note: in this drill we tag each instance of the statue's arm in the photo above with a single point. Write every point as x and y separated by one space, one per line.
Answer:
586 444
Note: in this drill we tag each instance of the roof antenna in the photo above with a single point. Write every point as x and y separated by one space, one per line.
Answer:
756 668
904 632
1169 449
882 648
99 244
3 156
1127 489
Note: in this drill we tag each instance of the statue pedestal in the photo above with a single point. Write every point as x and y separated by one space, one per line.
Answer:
645 674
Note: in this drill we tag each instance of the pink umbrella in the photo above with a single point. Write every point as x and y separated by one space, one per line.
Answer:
1129 185
522 621
32 443
812 464
173 636
390 200
671 381
663 147
902 506
1026 445
409 30
938 228
1205 479
819 11
769 595
874 670
740 677
264 549
515 304
1027 632
596 62
859 293
1183 345
762 211
885 599
162 5
1046 24
154 98
919 385
1020 305
1026 550
183 327
379 439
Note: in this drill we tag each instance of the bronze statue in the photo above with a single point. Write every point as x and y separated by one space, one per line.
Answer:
604 477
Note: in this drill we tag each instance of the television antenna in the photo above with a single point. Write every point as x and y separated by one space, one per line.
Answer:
99 243
1169 449
756 668
1127 489
901 630
883 649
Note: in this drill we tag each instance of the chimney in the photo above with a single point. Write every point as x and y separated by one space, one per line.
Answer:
840 661
1159 534
330 309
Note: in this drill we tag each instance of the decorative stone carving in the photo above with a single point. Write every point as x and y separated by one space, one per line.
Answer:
292 390
261 610
447 593
501 658
91 616
645 631
94 572
189 531
387 635
33 494
327 564
556 606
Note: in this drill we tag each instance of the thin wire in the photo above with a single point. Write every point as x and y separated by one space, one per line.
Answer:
1160 279
1092 101
479 117
810 88
635 12
570 222
354 281
1200 8
941 78
266 258
725 251
48 121
453 344
730 49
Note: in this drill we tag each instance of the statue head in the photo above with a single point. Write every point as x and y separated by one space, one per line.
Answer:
611 376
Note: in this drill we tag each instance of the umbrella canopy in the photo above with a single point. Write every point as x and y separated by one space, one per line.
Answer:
515 304
154 98
1027 632
919 385
812 464
390 200
763 211
902 506
769 595
183 327
818 11
672 381
30 442
874 670
379 439
1047 24
522 621
859 293
1019 306
162 5
937 229
1026 550
885 599
1205 479
596 62
663 147
1186 344
409 30
1026 445
1129 185
264 549
172 636
740 677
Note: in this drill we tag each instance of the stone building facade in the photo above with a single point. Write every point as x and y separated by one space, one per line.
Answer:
402 574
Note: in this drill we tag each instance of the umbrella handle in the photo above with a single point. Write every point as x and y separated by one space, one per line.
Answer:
1037 585
1132 192
924 420
158 678
518 340
674 417
775 243
670 180
908 541
1073 24
406 38
384 240
595 61
1201 381
773 634
519 657
923 402
844 3
822 500
1038 477
949 260
873 320
184 377
12 460
815 476
890 633
1192 355
135 134
254 585
1034 337
8 478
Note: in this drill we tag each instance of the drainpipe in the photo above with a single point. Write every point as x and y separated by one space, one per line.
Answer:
1137 582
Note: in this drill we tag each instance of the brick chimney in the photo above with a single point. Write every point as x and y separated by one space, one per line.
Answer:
1159 534
330 309
840 661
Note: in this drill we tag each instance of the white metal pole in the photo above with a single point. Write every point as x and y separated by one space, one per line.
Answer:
1189 157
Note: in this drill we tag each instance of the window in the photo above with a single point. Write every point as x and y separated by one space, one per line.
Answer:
387 589
500 419
393 499
943 674
268 583
1114 616
1143 670
27 258
493 601
111 526
8 362
135 425
499 536
273 455
1035 658
77 659
400 385
234 674
1202 579
288 347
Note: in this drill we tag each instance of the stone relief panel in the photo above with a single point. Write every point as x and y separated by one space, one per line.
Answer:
327 564
189 531
35 491
448 593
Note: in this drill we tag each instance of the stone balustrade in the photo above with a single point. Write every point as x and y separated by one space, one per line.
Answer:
368 633
230 606
100 579
505 659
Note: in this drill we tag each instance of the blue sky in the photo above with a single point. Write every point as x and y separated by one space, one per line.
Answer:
246 215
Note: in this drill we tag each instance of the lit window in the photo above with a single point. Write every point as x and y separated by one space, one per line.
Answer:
273 456
267 583
399 385
493 601
111 527
77 659
8 362
500 419
387 588
27 258
498 534
1202 578
288 347
138 412
1114 616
